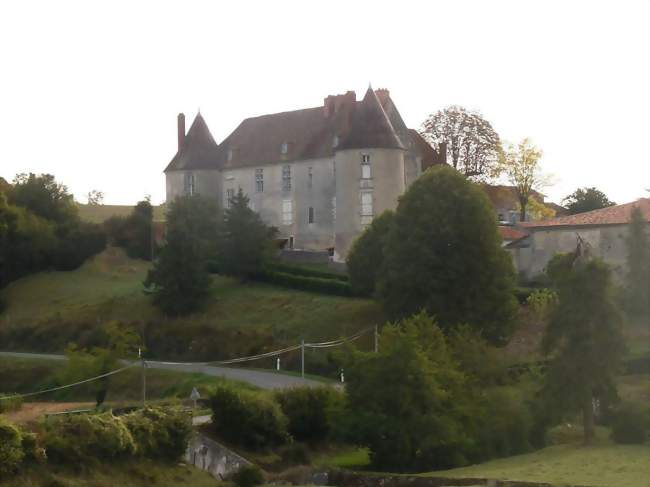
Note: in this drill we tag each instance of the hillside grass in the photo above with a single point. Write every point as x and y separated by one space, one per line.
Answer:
143 473
603 464
109 287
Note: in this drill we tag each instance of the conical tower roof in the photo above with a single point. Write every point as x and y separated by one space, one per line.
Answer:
199 150
370 127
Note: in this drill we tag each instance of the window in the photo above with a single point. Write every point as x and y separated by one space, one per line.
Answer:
311 214
333 208
188 184
230 194
259 180
310 177
335 141
286 178
285 147
366 208
365 166
230 153
287 212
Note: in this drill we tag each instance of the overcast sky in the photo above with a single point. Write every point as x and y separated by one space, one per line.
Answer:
90 90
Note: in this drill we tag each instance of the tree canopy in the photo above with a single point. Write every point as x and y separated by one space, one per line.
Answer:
637 283
44 196
443 254
584 337
472 144
520 164
179 280
245 242
586 199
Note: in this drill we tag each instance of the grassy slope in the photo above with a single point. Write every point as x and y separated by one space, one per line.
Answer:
599 465
109 287
141 474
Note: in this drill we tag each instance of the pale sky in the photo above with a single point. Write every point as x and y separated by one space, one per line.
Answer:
90 90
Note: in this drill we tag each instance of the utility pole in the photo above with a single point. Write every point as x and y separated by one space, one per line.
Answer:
144 378
302 354
376 339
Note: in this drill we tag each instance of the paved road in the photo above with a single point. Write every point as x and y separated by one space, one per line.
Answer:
264 380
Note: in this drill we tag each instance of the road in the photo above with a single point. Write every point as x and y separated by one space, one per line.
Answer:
258 378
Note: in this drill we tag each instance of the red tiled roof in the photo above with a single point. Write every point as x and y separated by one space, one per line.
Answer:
612 215
510 233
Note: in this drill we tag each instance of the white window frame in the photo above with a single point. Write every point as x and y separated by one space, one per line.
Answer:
367 207
286 178
366 172
189 184
287 212
284 148
310 177
259 180
335 141
230 194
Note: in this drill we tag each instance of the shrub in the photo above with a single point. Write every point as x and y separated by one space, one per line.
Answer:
248 476
304 271
10 402
11 450
78 244
159 433
334 287
629 425
523 293
295 454
307 409
82 438
541 301
248 418
31 448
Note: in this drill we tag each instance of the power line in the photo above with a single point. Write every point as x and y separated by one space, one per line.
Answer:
28 394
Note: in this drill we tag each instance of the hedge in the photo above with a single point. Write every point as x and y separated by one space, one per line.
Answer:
304 283
304 271
11 402
11 449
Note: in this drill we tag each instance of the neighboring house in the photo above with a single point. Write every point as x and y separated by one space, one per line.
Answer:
320 175
510 234
506 204
605 230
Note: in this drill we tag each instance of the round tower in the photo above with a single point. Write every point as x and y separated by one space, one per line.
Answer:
369 166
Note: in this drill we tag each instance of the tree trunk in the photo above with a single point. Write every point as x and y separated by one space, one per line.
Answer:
523 204
588 419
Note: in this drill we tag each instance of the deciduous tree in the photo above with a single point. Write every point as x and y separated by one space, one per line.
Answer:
586 199
638 266
472 144
521 166
583 337
443 254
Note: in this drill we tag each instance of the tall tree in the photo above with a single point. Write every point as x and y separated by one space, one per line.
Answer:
586 199
521 166
246 243
472 144
43 196
179 280
583 337
638 265
95 197
443 254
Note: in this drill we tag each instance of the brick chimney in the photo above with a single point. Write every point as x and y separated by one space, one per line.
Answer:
334 103
383 94
181 131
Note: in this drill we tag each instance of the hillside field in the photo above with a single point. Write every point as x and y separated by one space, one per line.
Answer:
47 310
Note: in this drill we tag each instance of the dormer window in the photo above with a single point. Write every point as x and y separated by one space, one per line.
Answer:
335 141
284 149
365 166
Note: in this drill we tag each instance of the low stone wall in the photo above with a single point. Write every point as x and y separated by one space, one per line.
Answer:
341 478
213 457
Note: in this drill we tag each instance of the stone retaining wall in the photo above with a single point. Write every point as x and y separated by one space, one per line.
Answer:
213 457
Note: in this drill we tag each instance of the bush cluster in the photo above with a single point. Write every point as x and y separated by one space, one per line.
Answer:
152 433
335 287
11 402
303 271
248 476
248 418
309 411
11 448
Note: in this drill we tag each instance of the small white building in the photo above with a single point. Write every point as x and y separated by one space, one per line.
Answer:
319 174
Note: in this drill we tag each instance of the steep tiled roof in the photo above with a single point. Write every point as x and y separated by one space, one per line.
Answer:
371 127
199 150
613 215
430 156
509 233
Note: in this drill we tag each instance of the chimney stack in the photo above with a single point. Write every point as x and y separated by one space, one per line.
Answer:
181 131
442 153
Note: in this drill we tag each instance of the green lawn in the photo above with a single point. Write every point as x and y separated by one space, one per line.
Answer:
143 473
599 465
48 309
